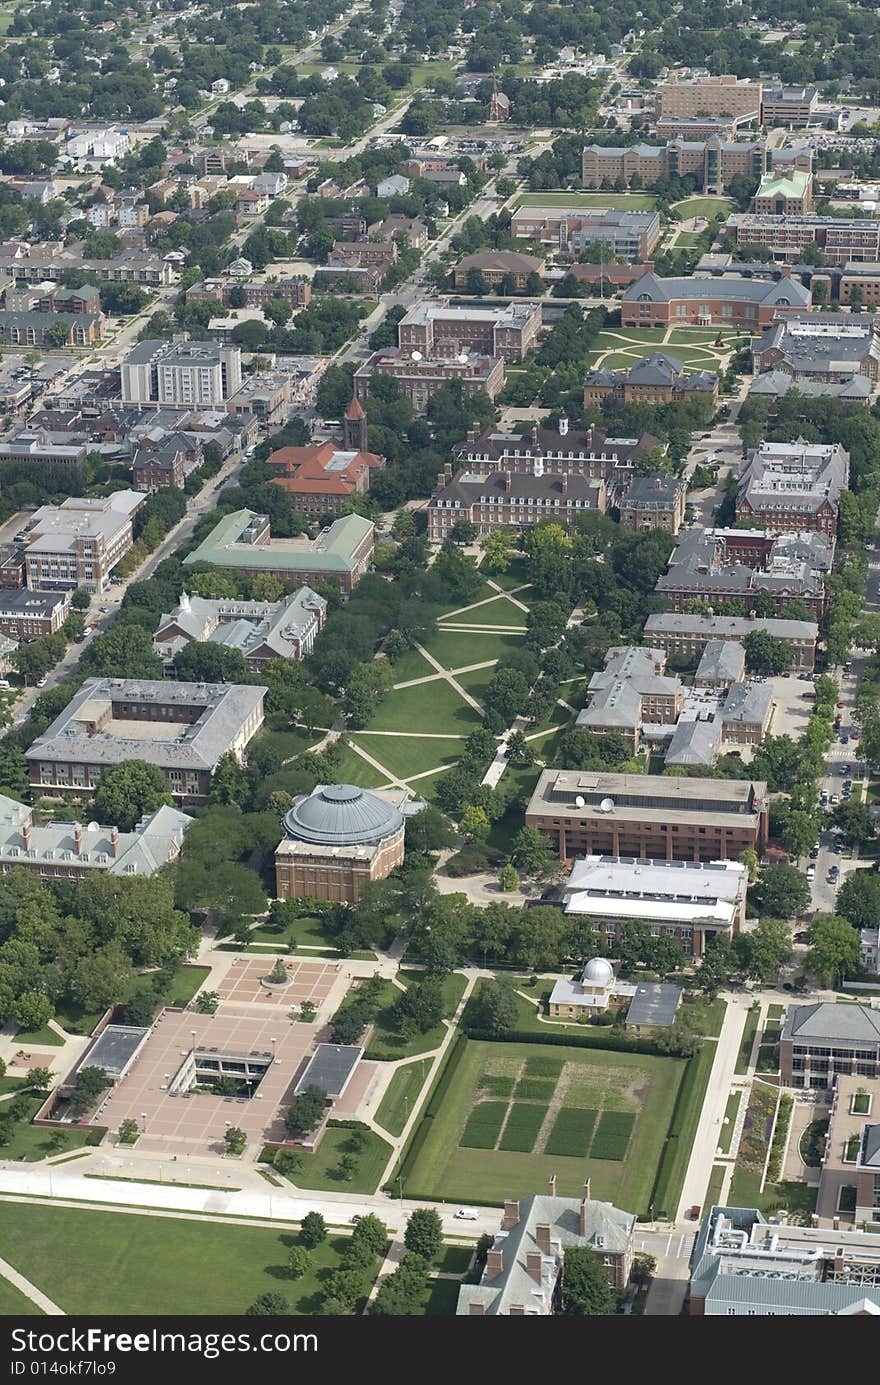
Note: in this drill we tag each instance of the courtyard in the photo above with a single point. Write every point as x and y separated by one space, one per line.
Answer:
511 1115
619 348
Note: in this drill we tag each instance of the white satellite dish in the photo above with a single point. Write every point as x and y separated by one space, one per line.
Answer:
606 805
463 358
93 827
580 802
417 355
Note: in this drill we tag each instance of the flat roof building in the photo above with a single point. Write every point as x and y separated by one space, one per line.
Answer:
436 327
820 347
649 816
180 374
183 728
331 1067
79 542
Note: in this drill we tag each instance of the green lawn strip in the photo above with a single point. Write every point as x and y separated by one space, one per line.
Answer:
523 1123
320 1170
435 1165
748 1038
428 706
403 1092
183 985
728 1124
14 1304
305 931
93 1263
442 1298
476 681
707 1016
404 756
615 201
454 1260
10 1084
162 1182
484 1125
412 664
497 612
775 1013
39 1036
354 769
612 1135
458 649
688 240
716 1182
745 1191
682 1131
571 1132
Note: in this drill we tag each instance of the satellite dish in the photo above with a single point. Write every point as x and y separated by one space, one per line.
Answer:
580 802
463 358
606 805
93 827
417 355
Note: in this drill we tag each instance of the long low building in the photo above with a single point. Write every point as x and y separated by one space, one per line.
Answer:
649 816
419 377
727 302
74 851
684 900
840 239
500 499
242 541
687 636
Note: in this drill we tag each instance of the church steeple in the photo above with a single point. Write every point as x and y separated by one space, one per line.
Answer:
354 427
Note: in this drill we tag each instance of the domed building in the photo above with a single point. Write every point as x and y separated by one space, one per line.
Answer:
597 989
336 839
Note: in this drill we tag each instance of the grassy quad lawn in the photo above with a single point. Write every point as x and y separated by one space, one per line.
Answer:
30 1143
403 1092
321 1171
434 707
476 681
13 1303
620 338
460 648
411 665
498 612
354 769
404 756
613 1108
618 201
45 1036
702 206
388 1044
112 1263
304 932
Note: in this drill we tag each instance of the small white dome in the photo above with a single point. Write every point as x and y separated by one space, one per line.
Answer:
598 972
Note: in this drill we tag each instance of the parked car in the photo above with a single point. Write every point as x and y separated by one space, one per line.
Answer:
41 682
835 799
814 852
801 937
811 873
855 733
694 1212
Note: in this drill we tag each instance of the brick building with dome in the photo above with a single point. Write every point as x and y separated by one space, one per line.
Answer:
336 839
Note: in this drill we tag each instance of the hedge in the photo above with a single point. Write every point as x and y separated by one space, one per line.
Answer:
419 1133
611 1040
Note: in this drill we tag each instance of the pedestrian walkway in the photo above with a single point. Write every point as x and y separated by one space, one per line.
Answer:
704 1152
24 1286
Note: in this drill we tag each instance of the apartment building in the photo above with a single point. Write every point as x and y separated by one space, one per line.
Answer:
437 329
728 302
322 480
181 374
500 498
744 1266
260 630
691 902
722 97
523 1271
506 270
242 540
654 502
842 240
419 377
687 637
589 813
625 235
655 379
79 543
784 193
183 728
824 1041
43 329
74 851
296 292
793 486
29 615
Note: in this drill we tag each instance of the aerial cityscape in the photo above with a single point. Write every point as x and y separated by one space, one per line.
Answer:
439 660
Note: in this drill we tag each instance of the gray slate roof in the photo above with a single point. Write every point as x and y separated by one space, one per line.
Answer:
828 1020
657 290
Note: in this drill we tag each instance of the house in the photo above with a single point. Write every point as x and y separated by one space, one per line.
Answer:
394 186
412 228
523 1272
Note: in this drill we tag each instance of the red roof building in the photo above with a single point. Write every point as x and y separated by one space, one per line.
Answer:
321 479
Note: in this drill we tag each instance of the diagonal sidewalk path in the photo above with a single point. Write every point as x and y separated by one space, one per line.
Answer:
24 1286
462 692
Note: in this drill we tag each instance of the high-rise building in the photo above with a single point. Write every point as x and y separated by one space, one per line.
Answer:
181 374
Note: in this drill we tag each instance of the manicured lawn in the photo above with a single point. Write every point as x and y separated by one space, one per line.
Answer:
403 756
454 1260
286 742
476 682
307 931
713 1192
727 1126
497 612
632 1089
702 206
388 1044
40 1036
688 240
354 769
709 1017
618 337
183 985
457 649
13 1303
10 1084
403 1092
412 664
109 1263
515 576
321 1169
32 1142
745 1048
483 593
442 1299
429 707
625 201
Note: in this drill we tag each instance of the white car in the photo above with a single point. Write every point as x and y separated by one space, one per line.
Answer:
835 799
467 1214
811 872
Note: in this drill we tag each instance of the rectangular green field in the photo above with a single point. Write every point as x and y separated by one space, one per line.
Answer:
484 1125
571 1133
703 206
403 1092
412 664
457 649
439 1168
535 1088
112 1263
497 612
354 769
429 706
403 756
523 1124
612 1135
616 201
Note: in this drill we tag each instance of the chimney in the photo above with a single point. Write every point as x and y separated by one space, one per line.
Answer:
533 1265
585 1203
78 837
114 842
26 832
542 1236
551 1185
508 480
472 435
563 482
511 1214
447 470
516 1311
476 1310
534 435
441 480
785 271
494 1264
